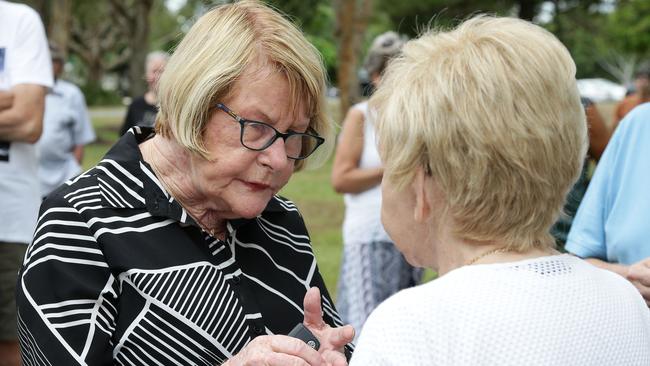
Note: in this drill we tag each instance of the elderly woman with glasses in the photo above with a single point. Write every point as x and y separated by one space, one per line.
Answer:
176 249
482 133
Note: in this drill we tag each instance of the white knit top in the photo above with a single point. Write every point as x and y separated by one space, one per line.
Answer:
556 310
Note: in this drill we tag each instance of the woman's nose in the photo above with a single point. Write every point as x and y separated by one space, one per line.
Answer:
275 156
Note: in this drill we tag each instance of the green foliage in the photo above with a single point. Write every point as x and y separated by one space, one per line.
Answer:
165 30
575 28
316 18
411 17
300 12
319 31
628 28
96 95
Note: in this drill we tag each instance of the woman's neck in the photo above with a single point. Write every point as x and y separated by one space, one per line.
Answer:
165 157
456 253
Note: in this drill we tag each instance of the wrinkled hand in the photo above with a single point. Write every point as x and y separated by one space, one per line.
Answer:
277 350
331 339
6 99
639 275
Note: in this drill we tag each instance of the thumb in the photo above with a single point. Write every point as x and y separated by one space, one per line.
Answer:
313 310
342 336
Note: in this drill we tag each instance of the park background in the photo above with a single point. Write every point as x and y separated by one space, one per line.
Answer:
106 43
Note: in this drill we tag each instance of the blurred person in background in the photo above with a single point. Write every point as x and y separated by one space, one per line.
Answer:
611 228
482 133
372 269
66 129
641 95
142 111
176 249
25 75
598 138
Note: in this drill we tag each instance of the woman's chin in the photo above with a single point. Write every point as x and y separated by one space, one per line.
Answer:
250 210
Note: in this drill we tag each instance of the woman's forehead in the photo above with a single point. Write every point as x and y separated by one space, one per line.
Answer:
268 91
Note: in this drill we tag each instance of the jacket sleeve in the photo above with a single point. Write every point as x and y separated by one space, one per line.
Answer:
66 295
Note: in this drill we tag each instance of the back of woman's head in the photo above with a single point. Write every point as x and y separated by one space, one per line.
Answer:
217 50
492 111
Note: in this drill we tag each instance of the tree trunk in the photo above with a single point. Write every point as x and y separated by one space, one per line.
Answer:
527 9
138 44
60 24
95 71
352 19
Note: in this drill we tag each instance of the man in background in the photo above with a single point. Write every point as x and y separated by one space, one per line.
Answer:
25 75
143 110
66 129
641 95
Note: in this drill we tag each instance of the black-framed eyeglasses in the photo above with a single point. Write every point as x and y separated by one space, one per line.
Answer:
258 136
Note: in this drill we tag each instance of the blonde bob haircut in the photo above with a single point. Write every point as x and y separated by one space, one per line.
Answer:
491 111
215 53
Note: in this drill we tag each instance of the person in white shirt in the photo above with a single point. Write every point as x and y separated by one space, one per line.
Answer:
25 75
66 129
482 134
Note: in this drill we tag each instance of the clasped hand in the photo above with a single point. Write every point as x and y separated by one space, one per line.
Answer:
639 275
6 99
281 350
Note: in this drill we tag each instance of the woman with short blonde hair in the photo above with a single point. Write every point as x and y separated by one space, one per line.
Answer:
482 133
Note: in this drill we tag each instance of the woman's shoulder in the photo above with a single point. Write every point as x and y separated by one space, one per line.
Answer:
69 191
410 302
109 184
279 205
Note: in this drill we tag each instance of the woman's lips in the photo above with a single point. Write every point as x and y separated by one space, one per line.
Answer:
255 186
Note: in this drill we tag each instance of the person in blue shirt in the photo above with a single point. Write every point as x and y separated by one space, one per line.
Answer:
612 226
66 129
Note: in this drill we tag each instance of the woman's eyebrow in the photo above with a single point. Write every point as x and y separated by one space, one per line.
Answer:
296 125
260 116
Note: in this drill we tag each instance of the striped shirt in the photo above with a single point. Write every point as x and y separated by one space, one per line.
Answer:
119 273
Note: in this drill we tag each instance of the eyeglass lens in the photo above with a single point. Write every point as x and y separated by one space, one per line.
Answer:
259 136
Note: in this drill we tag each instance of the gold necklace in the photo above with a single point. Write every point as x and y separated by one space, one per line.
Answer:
489 252
205 229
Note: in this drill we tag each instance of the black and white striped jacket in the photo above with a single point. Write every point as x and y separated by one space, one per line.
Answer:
118 273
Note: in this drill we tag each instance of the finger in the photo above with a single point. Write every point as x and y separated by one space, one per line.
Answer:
342 336
646 262
283 359
313 310
296 347
334 358
639 274
6 99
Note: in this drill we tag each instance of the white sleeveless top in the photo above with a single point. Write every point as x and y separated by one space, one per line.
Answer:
362 222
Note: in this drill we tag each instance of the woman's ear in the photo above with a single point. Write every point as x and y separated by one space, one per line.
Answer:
421 186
